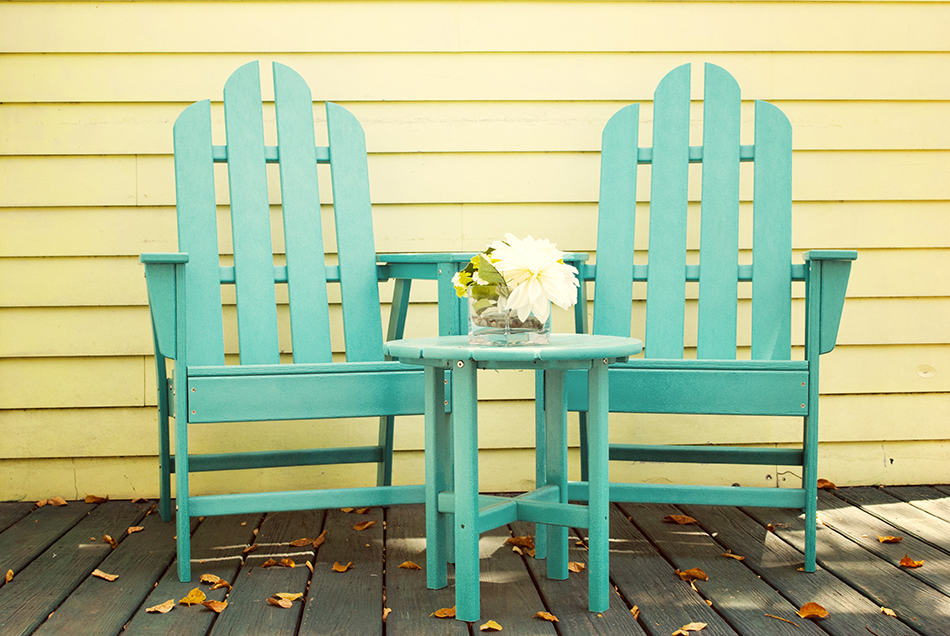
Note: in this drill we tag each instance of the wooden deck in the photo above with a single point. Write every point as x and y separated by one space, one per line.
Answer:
52 552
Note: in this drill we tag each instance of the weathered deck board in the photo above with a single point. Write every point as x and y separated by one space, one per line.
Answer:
864 529
53 593
248 611
26 539
915 602
925 498
13 511
216 545
103 607
406 594
568 599
908 519
736 593
777 563
40 588
348 602
508 595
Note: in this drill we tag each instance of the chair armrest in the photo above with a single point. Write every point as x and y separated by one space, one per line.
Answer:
161 278
827 281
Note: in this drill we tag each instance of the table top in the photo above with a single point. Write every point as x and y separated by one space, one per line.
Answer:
563 347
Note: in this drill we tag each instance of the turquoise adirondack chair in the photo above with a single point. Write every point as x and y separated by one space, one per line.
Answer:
185 299
772 381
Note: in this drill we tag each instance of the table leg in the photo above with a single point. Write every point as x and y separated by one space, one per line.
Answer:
436 460
555 466
465 429
540 460
599 494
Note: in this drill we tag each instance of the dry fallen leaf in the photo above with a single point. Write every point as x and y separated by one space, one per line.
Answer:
140 500
690 627
824 484
444 612
289 596
812 610
635 610
547 616
249 548
209 578
346 510
309 566
361 511
784 620
517 550
104 575
41 503
320 539
220 584
680 519
341 567
575 566
269 563
363 525
57 501
410 565
299 543
889 612
708 602
9 576
691 574
162 608
386 612
134 529
287 563
729 554
280 602
526 541
96 499
108 539
907 562
490 626
889 539
194 597
215 606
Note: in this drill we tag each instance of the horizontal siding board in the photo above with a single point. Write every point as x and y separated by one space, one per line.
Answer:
847 463
467 178
63 382
472 126
122 331
151 27
109 233
116 77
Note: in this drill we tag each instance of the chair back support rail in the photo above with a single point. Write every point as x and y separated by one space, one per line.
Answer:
717 380
185 299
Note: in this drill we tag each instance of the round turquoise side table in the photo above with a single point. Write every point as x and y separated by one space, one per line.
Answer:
451 460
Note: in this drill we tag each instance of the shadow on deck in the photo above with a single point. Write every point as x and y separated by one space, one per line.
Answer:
52 552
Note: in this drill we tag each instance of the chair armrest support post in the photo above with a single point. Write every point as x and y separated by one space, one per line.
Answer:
162 277
827 288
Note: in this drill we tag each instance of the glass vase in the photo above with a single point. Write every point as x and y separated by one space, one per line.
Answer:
490 322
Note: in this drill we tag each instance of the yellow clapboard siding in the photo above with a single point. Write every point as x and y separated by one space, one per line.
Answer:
460 26
128 431
81 77
33 232
848 463
468 178
68 382
120 280
109 331
145 128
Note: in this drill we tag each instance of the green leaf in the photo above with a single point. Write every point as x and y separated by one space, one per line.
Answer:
481 305
480 292
487 271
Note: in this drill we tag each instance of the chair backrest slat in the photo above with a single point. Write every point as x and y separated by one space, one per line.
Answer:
719 233
250 218
666 279
772 235
359 283
303 235
617 211
198 234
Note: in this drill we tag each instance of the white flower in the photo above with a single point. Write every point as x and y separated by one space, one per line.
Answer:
535 274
